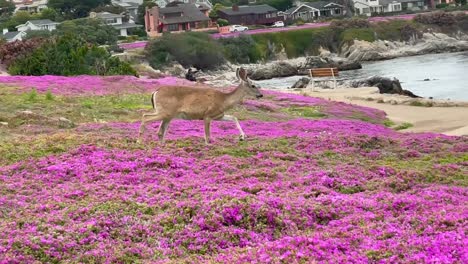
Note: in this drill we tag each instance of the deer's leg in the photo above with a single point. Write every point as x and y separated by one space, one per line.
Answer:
234 119
163 129
146 118
207 130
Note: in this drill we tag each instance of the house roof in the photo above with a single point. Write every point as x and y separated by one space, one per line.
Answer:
253 9
320 5
10 35
104 15
41 22
190 14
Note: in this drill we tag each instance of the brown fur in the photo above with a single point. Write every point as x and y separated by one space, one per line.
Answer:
197 103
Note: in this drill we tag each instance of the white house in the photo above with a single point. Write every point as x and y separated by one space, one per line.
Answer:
131 7
313 10
116 21
41 24
32 6
367 7
12 36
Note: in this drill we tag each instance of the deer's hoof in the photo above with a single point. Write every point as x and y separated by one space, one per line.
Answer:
242 138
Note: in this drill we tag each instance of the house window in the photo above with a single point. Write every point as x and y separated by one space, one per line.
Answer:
111 21
268 15
365 10
420 3
396 7
173 27
337 11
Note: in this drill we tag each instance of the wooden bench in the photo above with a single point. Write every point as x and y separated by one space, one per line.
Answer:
323 72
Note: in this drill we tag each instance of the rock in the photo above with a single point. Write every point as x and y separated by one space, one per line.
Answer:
426 80
3 124
65 123
380 50
385 85
33 118
320 62
272 70
301 83
176 70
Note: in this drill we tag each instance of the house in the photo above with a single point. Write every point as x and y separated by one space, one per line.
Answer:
368 7
116 21
413 5
32 6
41 24
164 3
182 17
250 15
12 36
313 11
130 7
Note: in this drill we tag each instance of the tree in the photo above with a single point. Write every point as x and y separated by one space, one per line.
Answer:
214 12
71 9
140 19
460 2
49 13
6 8
69 55
278 4
91 30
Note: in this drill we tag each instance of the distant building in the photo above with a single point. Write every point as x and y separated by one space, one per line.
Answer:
310 11
130 7
368 7
41 24
12 36
250 15
183 17
32 6
116 21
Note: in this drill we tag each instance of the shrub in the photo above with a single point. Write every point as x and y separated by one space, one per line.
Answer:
189 49
299 22
351 34
442 5
241 49
9 52
222 22
436 18
69 55
409 31
344 24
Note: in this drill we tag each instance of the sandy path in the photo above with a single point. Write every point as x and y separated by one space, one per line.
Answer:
445 120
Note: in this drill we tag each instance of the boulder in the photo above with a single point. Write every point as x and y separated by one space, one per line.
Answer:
385 85
321 62
272 70
301 83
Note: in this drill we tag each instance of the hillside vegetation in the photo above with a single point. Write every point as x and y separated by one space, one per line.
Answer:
197 49
316 181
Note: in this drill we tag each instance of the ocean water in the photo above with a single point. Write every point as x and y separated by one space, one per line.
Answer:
447 74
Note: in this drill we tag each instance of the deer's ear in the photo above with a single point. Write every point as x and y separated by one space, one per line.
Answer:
242 74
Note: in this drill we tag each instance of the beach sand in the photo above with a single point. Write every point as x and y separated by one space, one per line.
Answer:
444 116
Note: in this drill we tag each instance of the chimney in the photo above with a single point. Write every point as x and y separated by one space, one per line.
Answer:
235 8
5 30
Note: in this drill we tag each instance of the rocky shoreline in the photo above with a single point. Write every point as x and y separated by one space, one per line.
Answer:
349 58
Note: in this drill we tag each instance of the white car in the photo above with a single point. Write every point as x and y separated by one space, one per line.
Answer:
238 28
278 24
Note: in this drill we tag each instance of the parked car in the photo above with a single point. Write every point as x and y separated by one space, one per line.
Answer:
278 24
238 28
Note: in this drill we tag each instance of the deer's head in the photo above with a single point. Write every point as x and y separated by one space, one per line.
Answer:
247 84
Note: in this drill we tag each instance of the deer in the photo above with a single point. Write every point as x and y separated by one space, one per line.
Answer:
195 103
